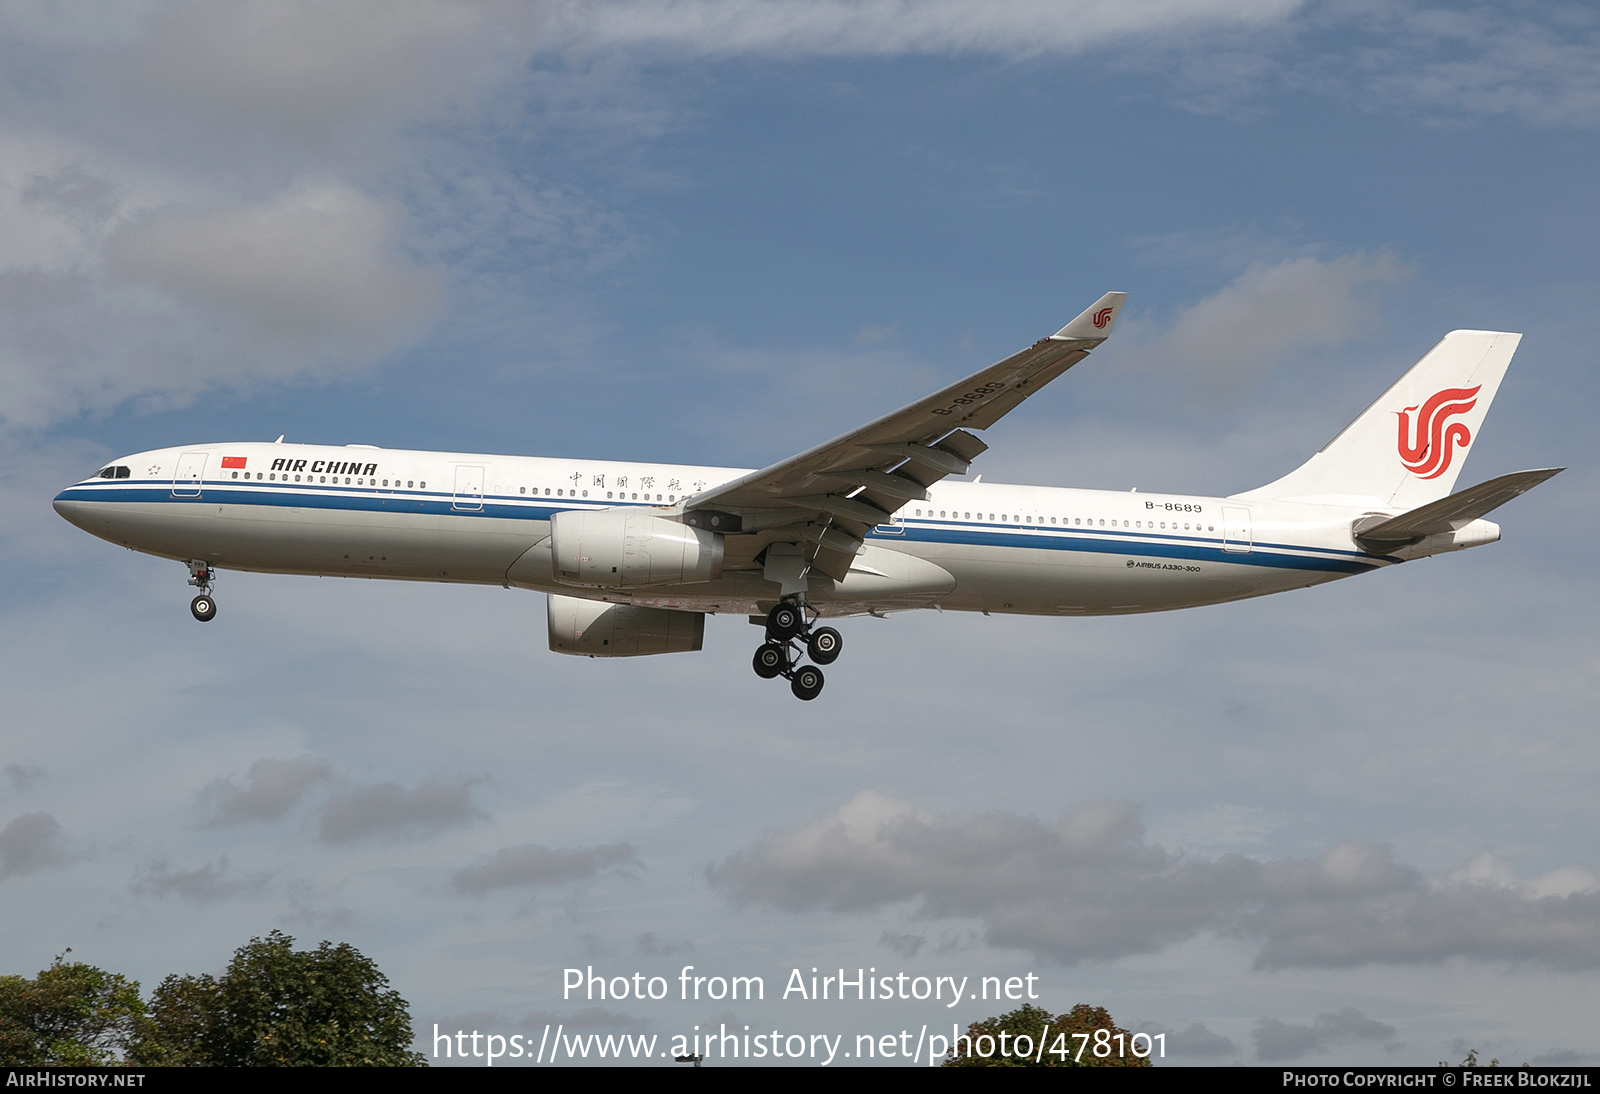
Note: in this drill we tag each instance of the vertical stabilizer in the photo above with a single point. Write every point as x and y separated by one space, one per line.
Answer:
1407 448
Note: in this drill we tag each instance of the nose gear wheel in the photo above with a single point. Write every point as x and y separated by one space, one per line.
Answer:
202 577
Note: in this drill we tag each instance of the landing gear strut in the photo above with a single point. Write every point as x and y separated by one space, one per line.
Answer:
202 577
787 629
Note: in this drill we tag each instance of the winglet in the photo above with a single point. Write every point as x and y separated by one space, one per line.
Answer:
1095 324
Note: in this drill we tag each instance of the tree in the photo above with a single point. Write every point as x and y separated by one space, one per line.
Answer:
276 1007
993 1041
70 1015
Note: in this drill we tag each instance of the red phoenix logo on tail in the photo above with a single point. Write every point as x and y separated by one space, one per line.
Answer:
1427 446
1102 317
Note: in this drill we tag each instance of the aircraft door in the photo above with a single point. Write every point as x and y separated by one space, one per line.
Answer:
1236 532
469 488
191 471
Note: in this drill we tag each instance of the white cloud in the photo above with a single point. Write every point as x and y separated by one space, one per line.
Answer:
107 299
1540 62
22 776
1229 341
799 28
389 809
531 864
1278 1041
291 72
1197 1042
30 843
272 788
1089 887
205 884
316 266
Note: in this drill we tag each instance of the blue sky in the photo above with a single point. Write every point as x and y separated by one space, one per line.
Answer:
719 233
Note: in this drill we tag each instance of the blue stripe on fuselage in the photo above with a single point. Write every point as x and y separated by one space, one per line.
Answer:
365 499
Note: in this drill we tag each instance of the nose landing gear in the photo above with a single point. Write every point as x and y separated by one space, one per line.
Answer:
788 627
202 577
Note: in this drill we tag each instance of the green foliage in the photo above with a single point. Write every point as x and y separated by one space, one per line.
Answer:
1472 1061
71 1015
180 1017
276 1007
1061 1048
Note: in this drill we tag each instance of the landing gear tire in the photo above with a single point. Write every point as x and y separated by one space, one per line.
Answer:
824 645
203 608
806 683
785 621
771 660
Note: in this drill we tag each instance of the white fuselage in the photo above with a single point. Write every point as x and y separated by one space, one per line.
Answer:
358 511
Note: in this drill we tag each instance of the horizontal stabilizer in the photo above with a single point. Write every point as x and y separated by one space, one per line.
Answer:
1456 511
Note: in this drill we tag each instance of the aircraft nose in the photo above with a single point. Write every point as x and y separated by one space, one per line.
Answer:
71 508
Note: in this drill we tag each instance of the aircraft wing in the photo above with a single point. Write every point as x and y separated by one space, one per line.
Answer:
831 494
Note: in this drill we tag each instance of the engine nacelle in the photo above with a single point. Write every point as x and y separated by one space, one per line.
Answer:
626 548
590 628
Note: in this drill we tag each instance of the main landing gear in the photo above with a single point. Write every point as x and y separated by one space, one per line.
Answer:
789 637
202 577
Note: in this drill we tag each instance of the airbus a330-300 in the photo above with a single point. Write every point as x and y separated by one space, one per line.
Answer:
634 556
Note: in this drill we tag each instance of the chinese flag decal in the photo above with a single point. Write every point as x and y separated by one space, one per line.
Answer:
233 461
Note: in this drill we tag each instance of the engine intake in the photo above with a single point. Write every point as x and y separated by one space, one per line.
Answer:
625 548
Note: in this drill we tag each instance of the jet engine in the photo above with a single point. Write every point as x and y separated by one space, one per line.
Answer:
590 628
626 548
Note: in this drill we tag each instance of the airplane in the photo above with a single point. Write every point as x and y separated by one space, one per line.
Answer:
633 556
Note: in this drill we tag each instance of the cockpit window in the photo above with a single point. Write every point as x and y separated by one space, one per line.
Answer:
113 473
107 473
